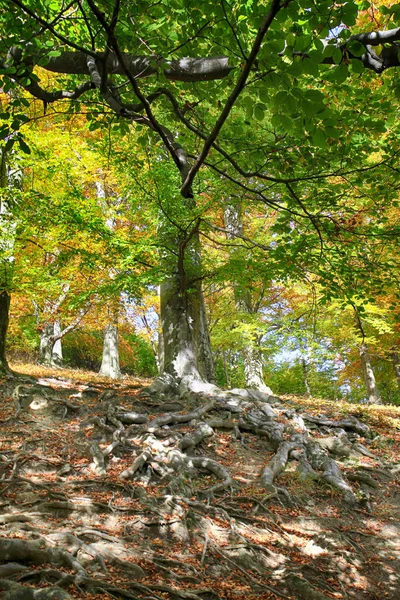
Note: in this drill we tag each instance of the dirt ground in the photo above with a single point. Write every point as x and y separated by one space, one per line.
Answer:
93 535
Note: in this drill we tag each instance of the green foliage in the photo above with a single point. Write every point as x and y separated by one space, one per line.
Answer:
83 350
310 150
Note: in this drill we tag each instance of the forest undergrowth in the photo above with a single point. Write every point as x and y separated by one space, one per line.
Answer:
109 491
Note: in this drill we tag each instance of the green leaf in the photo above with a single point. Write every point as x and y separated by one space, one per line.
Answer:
337 56
356 48
341 73
258 112
357 66
310 67
319 138
24 146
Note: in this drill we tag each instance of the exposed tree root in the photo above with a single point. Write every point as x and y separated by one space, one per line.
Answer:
170 451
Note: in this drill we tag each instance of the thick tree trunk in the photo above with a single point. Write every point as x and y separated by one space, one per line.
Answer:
252 356
186 349
369 377
186 342
110 362
4 315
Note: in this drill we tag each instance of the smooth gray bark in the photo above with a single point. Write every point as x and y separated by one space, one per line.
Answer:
373 395
396 366
186 342
50 348
183 69
369 376
110 362
51 333
252 356
57 354
46 344
304 367
110 366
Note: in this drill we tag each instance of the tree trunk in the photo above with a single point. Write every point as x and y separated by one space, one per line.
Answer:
50 349
186 349
396 366
7 235
186 342
304 367
110 362
4 313
373 394
369 377
57 354
46 344
252 356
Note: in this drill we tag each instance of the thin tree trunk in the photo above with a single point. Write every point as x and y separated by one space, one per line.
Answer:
110 361
373 395
396 366
4 317
304 367
369 376
227 378
252 356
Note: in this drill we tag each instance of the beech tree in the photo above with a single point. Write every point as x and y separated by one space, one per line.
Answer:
4 264
282 62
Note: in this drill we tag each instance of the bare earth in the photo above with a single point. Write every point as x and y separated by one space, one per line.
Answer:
72 527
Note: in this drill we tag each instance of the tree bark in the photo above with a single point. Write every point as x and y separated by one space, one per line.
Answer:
46 344
186 348
369 376
186 342
252 356
6 246
396 365
4 316
373 395
57 354
51 333
304 368
110 361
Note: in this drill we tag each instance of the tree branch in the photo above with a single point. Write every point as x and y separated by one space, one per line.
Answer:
186 187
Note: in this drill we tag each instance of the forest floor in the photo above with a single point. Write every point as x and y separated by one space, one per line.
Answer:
72 527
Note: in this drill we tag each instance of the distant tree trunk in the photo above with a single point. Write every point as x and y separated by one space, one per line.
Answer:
252 356
304 367
369 377
110 361
4 316
396 366
226 371
51 334
46 344
57 354
373 395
